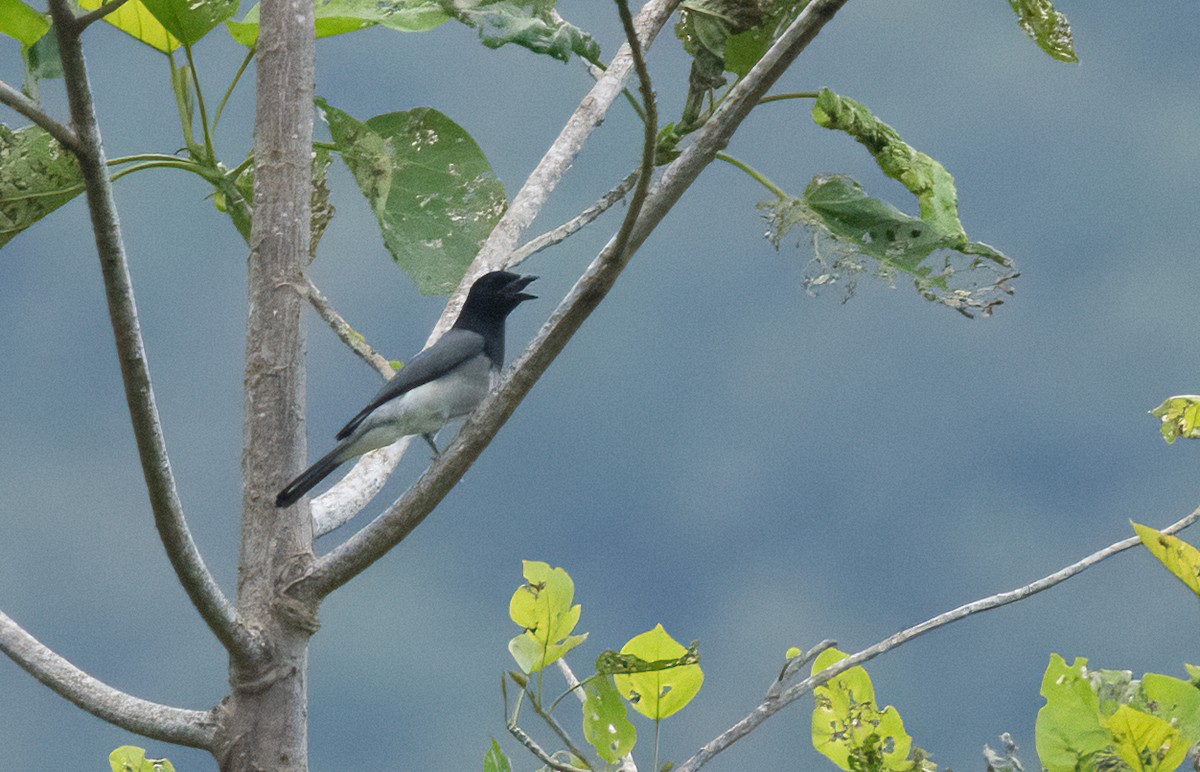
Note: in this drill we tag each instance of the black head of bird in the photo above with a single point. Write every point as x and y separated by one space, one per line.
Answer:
493 297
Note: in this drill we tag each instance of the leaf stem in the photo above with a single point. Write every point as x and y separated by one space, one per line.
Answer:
233 84
208 145
756 175
788 95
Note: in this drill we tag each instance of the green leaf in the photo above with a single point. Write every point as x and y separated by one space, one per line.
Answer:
37 175
837 208
1048 28
526 23
135 20
1175 700
1069 727
605 724
850 729
495 760
744 49
1180 417
188 20
1180 558
41 58
127 758
850 226
543 606
19 21
337 17
658 693
431 188
1144 742
924 177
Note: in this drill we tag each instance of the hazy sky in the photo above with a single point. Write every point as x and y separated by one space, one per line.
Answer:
715 451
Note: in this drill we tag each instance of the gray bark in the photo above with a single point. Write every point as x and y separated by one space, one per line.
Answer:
264 721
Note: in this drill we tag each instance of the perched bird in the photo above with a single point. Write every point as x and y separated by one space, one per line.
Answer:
445 381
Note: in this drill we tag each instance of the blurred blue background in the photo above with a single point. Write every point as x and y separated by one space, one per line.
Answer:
715 451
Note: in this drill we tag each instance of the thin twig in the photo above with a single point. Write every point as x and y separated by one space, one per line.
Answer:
356 489
552 722
193 728
345 332
572 226
25 106
776 700
197 581
536 750
386 531
81 22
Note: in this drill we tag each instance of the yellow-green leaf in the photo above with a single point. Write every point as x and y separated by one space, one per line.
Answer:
657 694
135 20
1180 417
22 23
128 758
849 728
1145 742
543 606
1180 558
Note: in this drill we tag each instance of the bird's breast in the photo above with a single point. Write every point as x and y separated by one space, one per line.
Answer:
428 407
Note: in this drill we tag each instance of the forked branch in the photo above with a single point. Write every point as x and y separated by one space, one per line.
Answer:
193 574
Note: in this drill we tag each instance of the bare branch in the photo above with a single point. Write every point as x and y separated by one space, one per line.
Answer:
30 109
778 699
369 474
345 332
81 22
384 532
193 728
536 750
572 226
185 557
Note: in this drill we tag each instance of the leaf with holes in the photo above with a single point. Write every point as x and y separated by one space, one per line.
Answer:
432 190
658 693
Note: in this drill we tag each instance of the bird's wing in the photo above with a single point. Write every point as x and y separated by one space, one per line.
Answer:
451 350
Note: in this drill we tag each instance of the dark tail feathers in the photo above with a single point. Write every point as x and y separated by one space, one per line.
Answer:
309 478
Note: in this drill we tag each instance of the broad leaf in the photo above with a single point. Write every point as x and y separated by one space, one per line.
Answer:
1180 417
135 20
19 21
924 177
744 49
1069 727
495 760
1145 742
605 723
543 606
431 188
189 20
657 693
128 758
850 227
1180 558
526 23
1048 28
37 175
336 17
850 728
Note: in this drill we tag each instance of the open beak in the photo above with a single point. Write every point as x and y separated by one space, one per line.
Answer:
514 287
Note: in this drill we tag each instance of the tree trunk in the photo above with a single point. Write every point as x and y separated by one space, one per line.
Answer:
265 719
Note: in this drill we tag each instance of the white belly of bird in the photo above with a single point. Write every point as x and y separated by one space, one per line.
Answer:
428 407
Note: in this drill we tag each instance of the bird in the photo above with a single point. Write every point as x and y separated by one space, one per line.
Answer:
443 382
